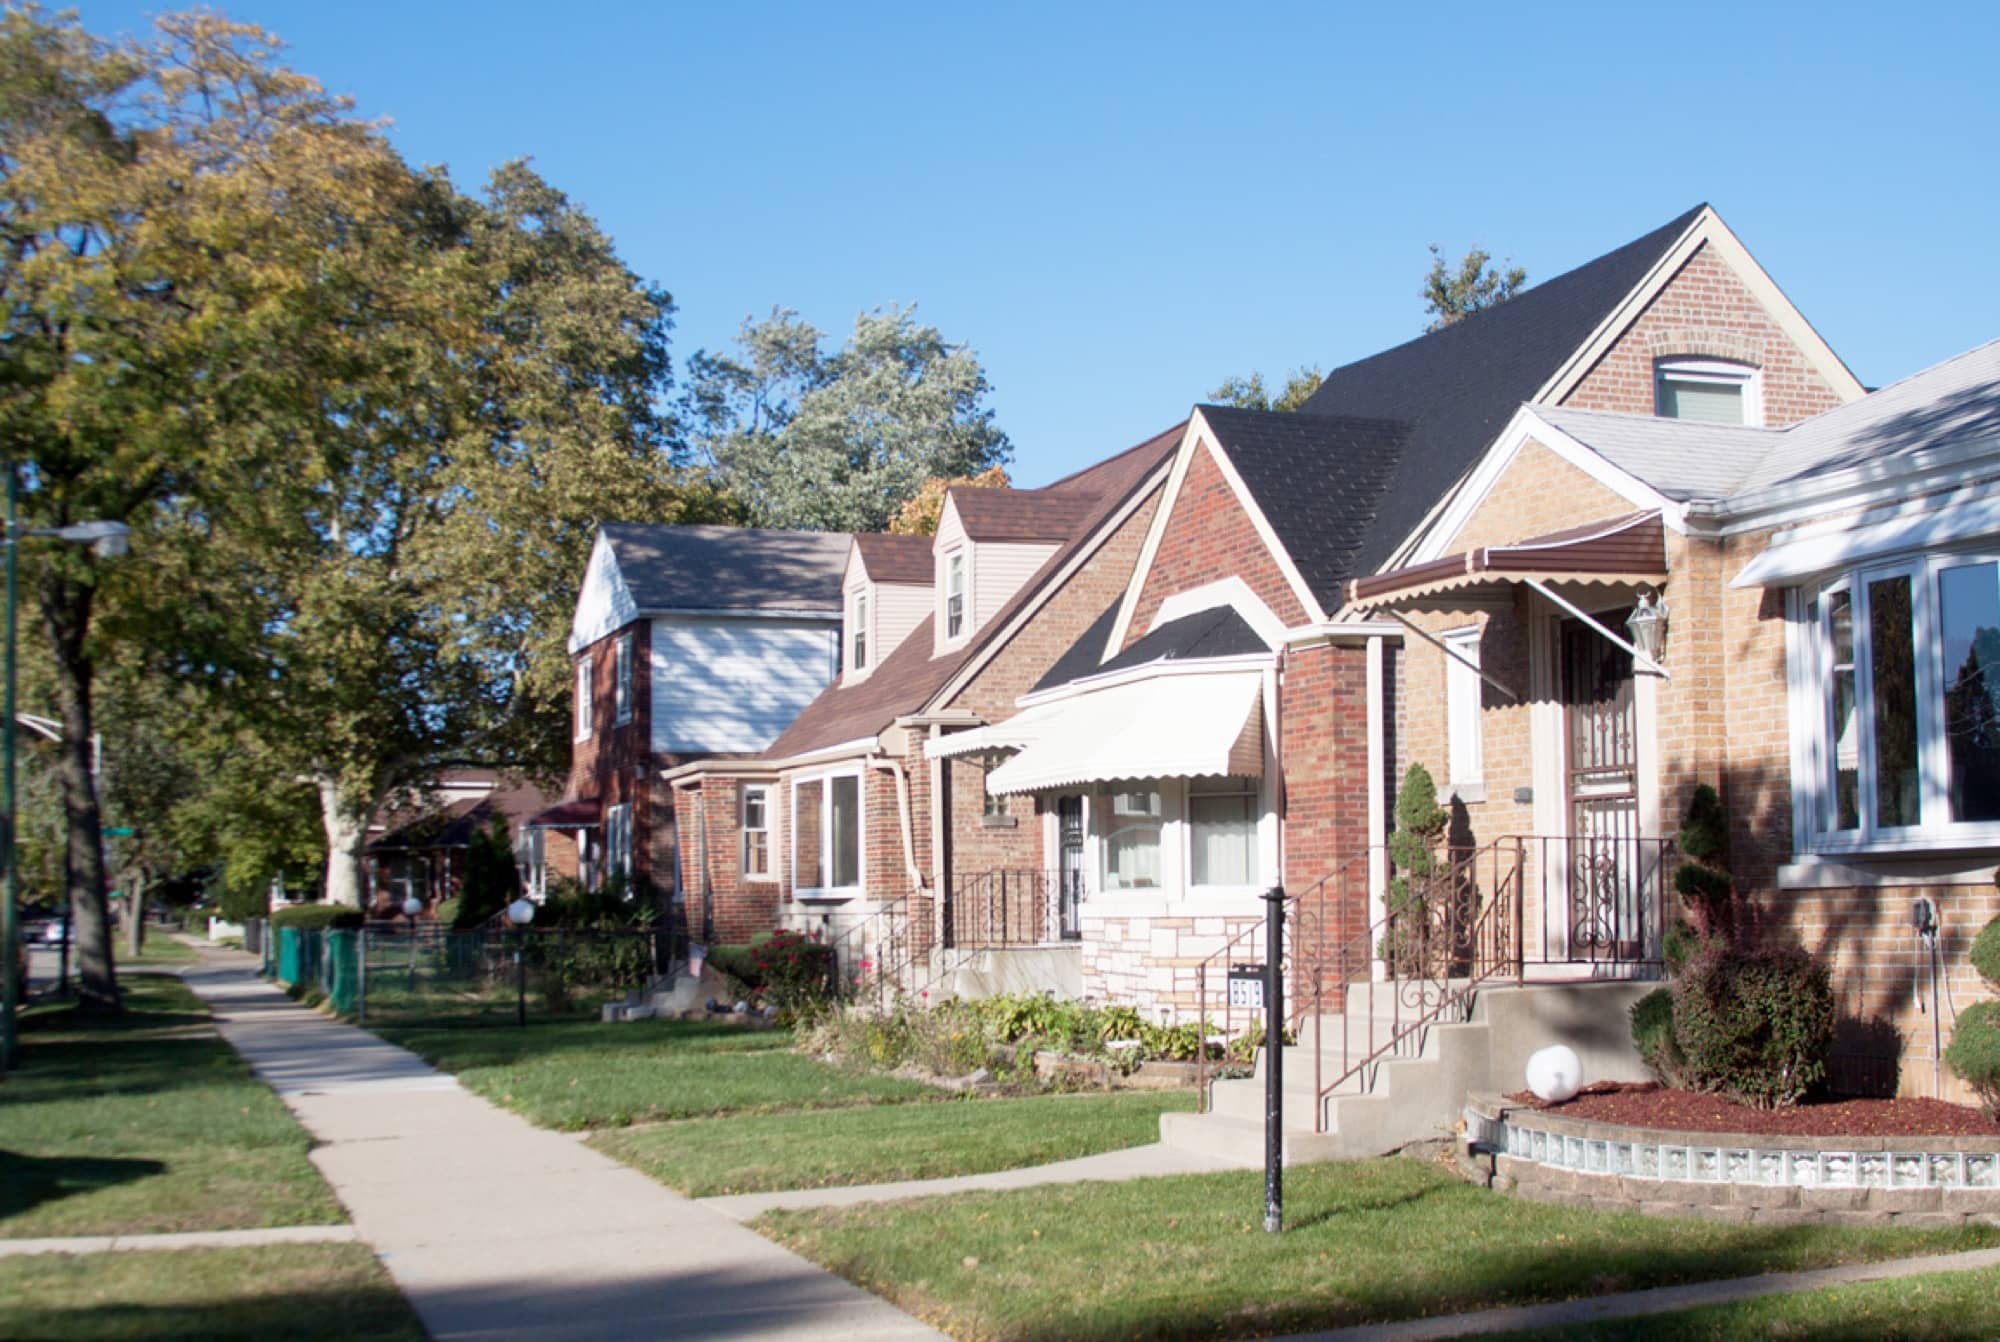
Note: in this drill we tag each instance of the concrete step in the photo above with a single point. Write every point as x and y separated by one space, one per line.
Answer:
1241 1141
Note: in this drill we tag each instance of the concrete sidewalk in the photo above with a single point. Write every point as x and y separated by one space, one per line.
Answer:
1134 1162
495 1228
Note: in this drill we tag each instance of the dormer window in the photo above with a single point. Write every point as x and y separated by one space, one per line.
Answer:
860 631
954 594
1712 391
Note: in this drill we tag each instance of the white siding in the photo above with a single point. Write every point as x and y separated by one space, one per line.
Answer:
998 572
734 684
899 609
604 603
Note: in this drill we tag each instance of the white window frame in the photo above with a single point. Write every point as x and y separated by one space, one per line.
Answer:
1716 372
956 571
1465 731
531 854
622 681
618 844
1815 734
585 697
1223 786
825 855
763 793
858 639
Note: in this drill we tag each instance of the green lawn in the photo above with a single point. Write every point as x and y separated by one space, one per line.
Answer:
146 1122
295 1291
1945 1307
1186 1256
707 1156
584 1074
160 949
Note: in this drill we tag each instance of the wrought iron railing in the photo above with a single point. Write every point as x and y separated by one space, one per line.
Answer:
1603 897
1004 909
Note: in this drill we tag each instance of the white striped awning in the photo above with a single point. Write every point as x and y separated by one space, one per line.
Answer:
1170 726
1024 728
1787 561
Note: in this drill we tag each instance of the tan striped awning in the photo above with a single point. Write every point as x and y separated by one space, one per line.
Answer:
1630 549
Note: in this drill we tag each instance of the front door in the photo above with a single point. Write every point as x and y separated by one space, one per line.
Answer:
1069 864
1607 913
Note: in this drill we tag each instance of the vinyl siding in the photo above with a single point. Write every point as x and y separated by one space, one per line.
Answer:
734 684
998 571
604 603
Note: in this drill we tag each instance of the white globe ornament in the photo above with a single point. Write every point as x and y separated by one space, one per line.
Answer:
1555 1074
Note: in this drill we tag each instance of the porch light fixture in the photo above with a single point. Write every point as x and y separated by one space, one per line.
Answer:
1648 625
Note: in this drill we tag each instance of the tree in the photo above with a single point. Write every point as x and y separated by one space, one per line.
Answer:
1451 294
839 441
175 218
1248 393
920 512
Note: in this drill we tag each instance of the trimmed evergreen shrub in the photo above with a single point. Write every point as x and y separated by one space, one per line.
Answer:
1701 879
1653 1034
1679 944
317 917
1754 1026
1974 1052
1986 953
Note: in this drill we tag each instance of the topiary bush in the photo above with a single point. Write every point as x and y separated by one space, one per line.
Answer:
317 917
1754 1026
1986 953
1703 883
1974 1052
1653 1035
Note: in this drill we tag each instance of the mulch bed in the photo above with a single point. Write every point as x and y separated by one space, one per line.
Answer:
1645 1105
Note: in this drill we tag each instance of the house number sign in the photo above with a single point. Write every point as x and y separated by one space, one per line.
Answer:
1246 986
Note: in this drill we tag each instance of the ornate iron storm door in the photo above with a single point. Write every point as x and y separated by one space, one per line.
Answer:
1608 895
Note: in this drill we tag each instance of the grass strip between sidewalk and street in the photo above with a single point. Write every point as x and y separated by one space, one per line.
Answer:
709 1156
146 1122
300 1292
1940 1307
585 1074
1367 1241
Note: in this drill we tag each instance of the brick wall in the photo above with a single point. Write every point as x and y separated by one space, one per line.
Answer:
1705 311
1323 738
1539 493
613 763
1209 536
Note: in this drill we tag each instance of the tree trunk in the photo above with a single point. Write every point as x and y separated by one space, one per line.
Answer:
346 836
66 612
135 912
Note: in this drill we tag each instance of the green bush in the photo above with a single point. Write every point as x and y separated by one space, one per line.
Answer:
1679 945
1702 880
1974 1052
1986 952
317 917
788 967
1653 1034
448 911
240 906
1754 1026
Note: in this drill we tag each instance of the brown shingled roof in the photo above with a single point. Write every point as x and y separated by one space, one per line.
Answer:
909 678
903 560
1022 514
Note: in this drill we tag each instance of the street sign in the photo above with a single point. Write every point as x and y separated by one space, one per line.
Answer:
117 831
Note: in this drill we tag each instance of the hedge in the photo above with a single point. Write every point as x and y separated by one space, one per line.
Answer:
1754 1026
317 917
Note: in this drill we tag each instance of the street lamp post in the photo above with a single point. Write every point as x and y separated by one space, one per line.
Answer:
412 906
520 913
108 540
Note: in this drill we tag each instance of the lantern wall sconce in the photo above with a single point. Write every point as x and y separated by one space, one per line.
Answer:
1648 625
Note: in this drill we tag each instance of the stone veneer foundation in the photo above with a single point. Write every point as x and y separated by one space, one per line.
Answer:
1914 1181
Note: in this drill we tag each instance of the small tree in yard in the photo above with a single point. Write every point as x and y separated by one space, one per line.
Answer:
1704 884
1974 1052
1420 824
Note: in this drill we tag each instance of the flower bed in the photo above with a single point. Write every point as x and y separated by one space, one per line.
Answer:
1555 1154
1645 1105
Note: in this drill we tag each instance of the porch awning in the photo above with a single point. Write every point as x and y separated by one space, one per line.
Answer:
1630 549
1171 726
1023 729
565 815
1785 562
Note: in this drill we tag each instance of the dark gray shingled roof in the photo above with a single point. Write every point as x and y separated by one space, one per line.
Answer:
729 568
1452 391
1216 632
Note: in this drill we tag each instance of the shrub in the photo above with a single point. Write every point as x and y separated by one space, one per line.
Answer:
449 911
1986 952
1974 1052
1701 880
239 906
1653 1034
789 967
1754 1026
1678 945
317 917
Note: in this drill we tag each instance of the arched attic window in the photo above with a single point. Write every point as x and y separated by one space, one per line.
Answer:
1713 391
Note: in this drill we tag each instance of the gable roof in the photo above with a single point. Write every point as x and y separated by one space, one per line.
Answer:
1682 458
1456 388
1022 515
910 678
711 568
898 560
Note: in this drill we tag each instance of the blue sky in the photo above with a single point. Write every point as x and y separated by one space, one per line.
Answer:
1118 206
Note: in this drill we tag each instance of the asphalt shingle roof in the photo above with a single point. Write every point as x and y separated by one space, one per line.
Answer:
729 568
1681 458
905 560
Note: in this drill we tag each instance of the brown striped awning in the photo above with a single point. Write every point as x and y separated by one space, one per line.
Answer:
1628 549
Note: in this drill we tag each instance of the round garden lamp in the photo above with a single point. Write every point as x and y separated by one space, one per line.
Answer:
412 906
520 913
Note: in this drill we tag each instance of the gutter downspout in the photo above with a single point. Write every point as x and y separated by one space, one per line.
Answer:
910 867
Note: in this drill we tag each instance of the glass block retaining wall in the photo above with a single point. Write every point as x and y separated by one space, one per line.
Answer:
1744 1176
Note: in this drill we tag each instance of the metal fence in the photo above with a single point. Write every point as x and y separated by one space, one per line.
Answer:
393 974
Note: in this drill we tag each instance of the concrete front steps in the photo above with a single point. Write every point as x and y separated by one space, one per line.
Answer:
1418 1096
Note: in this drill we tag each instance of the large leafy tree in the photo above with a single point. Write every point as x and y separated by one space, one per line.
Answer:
1454 292
838 440
1249 393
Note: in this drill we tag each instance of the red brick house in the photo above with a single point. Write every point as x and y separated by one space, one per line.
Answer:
419 850
843 826
690 642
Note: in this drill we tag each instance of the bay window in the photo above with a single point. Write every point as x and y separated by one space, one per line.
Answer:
1222 831
1903 733
1131 831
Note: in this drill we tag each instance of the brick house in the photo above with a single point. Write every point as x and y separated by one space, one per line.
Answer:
689 642
419 850
843 826
1241 715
